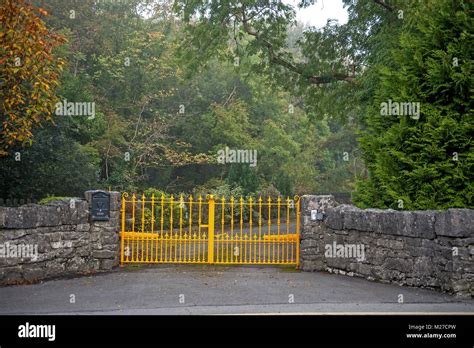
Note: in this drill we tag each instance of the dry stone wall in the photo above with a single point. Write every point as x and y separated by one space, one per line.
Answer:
433 249
56 240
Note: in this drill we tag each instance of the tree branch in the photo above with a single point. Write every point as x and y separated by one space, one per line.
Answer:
231 95
384 4
277 59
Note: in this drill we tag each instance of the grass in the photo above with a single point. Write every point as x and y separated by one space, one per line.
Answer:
50 199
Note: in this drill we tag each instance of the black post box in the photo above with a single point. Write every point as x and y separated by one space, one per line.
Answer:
100 206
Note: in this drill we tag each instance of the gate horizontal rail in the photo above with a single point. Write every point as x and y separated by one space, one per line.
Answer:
211 230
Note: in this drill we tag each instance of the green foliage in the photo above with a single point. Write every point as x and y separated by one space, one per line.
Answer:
139 79
424 163
244 176
171 93
53 165
49 199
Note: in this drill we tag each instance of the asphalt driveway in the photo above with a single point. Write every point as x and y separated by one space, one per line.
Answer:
203 289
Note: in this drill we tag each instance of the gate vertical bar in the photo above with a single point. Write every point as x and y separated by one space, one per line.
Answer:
210 224
123 230
153 228
143 238
133 227
298 233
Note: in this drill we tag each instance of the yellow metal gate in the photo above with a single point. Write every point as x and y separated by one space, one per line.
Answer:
211 230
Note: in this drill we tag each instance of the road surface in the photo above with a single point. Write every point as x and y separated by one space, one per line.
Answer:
211 289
